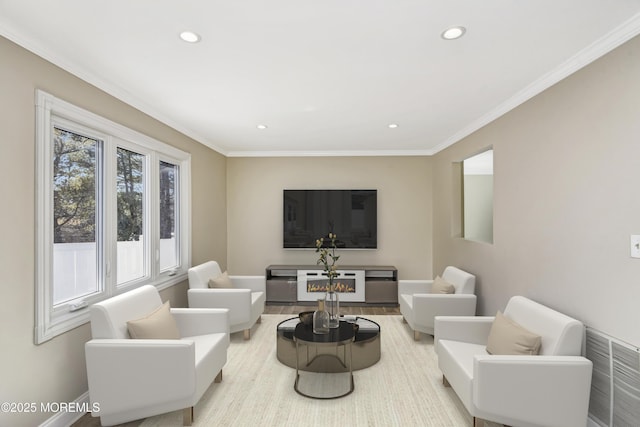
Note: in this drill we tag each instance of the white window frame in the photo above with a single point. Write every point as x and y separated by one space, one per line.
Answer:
54 320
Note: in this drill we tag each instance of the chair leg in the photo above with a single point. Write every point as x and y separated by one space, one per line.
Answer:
218 377
478 422
187 416
416 335
445 381
259 319
404 320
247 334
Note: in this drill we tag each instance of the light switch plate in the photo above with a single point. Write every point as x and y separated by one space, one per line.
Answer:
635 246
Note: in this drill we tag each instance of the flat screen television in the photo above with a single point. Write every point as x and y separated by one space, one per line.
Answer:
310 214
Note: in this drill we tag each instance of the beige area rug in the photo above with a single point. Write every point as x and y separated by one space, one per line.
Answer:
403 389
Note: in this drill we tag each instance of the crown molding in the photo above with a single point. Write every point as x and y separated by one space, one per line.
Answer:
599 48
604 45
105 85
335 153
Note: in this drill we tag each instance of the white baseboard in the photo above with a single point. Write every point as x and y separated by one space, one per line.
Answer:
66 418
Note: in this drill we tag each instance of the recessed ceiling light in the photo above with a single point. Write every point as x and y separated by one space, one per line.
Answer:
261 126
393 125
190 37
453 33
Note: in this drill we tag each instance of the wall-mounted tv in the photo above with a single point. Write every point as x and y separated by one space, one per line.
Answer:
310 214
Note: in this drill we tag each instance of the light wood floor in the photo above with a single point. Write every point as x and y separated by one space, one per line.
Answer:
89 421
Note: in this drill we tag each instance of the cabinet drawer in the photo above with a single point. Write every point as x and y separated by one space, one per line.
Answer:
282 290
381 291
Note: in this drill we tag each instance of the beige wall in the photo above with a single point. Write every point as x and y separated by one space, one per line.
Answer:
567 197
404 209
55 371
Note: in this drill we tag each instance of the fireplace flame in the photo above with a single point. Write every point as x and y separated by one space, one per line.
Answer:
344 287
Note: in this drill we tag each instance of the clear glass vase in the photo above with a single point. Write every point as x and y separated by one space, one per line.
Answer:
320 319
332 305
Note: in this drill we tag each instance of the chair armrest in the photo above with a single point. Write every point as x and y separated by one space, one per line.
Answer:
238 301
201 321
255 283
427 306
414 286
471 329
540 390
125 374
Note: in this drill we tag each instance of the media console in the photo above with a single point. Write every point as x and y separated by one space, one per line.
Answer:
291 284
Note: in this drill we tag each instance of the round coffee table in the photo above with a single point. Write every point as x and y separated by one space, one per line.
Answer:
322 351
365 347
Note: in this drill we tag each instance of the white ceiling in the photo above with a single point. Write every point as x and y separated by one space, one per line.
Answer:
326 76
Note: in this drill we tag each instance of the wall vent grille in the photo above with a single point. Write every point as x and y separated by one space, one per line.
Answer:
615 385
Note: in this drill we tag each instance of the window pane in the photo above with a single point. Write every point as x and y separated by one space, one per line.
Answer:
75 248
168 216
130 193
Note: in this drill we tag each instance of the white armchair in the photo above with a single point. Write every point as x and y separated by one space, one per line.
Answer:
550 389
419 307
136 378
245 300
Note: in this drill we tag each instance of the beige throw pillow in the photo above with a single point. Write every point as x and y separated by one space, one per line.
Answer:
159 324
222 281
441 287
508 337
